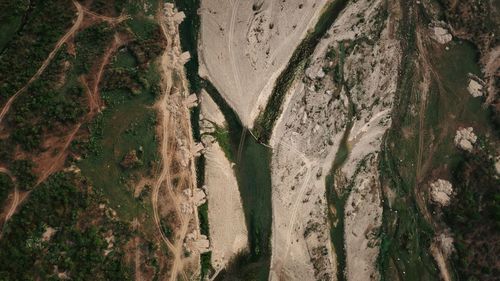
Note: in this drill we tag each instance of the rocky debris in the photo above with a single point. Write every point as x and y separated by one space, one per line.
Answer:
206 127
497 165
179 17
363 218
49 232
440 33
197 150
195 243
315 73
445 242
186 208
476 86
173 18
441 192
110 239
191 101
131 160
207 140
465 138
184 58
199 197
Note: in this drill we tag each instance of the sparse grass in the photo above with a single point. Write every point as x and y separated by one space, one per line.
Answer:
125 59
142 28
222 136
126 126
128 123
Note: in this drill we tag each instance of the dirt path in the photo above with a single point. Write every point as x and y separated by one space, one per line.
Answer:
298 200
61 157
236 74
47 61
94 108
81 11
429 74
109 20
175 125
15 200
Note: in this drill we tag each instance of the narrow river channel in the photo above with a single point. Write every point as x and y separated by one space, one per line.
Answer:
253 159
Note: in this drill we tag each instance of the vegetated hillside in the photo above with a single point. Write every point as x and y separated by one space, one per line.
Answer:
478 21
432 104
77 84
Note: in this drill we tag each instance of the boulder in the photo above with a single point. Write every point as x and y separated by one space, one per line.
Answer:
465 138
441 192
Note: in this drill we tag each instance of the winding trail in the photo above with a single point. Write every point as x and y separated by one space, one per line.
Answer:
81 11
15 200
47 61
295 208
175 125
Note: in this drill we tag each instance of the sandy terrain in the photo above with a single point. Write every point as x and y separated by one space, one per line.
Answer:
175 189
209 110
307 137
228 231
305 141
371 74
363 218
244 45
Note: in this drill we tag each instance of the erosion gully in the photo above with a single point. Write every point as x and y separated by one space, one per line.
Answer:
253 159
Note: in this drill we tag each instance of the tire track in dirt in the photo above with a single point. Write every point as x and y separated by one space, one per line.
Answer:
81 11
47 61
15 200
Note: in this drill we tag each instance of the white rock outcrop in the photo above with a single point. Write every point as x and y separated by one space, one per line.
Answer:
441 192
465 138
308 135
441 35
497 165
475 87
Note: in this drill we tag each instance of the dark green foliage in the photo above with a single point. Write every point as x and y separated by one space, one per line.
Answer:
90 44
77 247
189 39
23 172
206 265
203 217
107 7
166 229
13 15
474 216
5 186
47 22
44 107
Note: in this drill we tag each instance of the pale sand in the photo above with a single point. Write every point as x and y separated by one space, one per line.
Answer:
210 111
245 45
307 137
228 231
